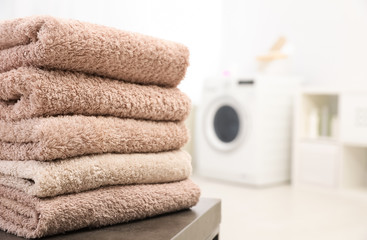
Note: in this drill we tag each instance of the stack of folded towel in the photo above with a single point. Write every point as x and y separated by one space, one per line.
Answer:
91 126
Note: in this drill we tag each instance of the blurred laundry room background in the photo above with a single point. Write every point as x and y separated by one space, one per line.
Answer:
279 92
327 38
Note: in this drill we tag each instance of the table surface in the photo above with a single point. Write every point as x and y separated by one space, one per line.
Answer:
200 222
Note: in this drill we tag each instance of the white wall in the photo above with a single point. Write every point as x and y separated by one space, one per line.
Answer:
329 36
196 24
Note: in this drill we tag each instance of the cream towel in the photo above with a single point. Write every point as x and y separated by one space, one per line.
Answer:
78 46
45 179
32 217
69 136
29 92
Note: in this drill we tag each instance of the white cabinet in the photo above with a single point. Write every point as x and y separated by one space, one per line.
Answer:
318 163
353 108
330 139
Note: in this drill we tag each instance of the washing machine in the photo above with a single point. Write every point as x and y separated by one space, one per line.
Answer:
243 129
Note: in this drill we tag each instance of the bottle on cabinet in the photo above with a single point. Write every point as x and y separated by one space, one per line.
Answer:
322 122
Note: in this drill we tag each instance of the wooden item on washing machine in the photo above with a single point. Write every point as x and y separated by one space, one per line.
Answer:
274 52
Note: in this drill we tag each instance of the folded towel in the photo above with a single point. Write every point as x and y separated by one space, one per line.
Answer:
73 45
29 92
33 217
46 179
69 136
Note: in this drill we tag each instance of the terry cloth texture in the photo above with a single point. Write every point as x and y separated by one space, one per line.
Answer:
45 179
48 42
33 217
30 92
69 136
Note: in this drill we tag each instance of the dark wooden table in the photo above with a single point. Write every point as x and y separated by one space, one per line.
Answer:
199 223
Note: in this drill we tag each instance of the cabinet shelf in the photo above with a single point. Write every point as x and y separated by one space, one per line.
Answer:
319 116
321 140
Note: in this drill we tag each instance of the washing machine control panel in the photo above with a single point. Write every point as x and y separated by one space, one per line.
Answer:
246 82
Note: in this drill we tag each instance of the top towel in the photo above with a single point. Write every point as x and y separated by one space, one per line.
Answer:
62 44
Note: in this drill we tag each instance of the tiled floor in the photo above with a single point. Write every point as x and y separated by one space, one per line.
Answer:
284 213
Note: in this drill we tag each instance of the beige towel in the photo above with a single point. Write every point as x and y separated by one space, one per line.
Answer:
69 136
45 179
30 92
32 217
73 45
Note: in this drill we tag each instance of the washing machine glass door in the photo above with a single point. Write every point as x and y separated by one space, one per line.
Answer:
225 124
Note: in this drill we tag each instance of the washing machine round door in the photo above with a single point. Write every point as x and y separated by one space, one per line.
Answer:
225 124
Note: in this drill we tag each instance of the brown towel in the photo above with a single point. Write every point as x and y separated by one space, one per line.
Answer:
32 217
29 92
69 136
46 179
73 45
